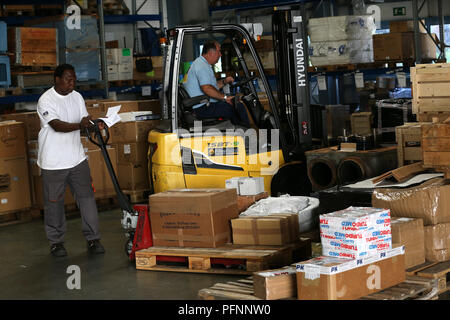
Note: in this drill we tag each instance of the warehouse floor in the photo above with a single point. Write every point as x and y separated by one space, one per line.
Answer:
28 271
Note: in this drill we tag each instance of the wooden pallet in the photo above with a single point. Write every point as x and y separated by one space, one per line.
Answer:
439 271
17 216
135 196
413 288
239 259
11 91
17 10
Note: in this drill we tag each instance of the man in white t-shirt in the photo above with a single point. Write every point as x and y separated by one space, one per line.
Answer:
62 113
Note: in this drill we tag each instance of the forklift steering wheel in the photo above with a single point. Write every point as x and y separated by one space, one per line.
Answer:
242 82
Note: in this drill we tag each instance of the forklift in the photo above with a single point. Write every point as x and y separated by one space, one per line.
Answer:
185 152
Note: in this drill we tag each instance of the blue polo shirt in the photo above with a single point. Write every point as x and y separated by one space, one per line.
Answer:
200 73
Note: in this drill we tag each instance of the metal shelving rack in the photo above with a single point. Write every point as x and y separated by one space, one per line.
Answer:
103 19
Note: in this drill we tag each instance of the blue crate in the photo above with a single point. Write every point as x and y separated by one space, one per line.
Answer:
3 38
5 72
85 37
86 63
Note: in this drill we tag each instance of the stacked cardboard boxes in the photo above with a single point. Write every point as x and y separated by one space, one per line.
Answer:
120 64
409 233
14 181
429 201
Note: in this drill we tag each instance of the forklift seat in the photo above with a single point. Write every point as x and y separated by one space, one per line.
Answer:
186 111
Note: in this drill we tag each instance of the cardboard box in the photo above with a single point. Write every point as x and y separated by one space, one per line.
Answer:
14 184
95 103
113 72
409 143
116 56
246 201
132 152
101 178
405 26
12 139
361 123
329 278
251 186
294 231
133 176
125 71
437 242
31 121
400 46
192 217
409 233
257 230
135 131
275 284
429 201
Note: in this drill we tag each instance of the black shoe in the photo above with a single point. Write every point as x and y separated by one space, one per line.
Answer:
58 250
95 247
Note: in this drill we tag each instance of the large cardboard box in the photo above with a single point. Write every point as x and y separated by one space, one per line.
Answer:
275 284
437 242
31 121
256 230
14 184
101 178
409 233
192 217
133 176
12 139
132 152
133 131
429 201
329 278
405 26
400 45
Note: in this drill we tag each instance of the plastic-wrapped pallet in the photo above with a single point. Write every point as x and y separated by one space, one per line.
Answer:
341 52
341 28
355 232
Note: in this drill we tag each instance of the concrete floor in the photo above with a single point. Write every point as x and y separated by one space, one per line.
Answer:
28 271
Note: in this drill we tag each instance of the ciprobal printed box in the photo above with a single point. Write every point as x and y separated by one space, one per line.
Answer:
355 232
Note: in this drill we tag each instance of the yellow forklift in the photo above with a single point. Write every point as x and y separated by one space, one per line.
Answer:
185 152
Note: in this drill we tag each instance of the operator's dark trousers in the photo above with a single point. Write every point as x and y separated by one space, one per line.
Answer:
54 184
222 109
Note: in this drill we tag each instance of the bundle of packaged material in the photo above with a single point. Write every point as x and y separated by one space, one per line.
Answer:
341 28
341 40
355 232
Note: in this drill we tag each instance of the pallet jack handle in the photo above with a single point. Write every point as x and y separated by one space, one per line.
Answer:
129 220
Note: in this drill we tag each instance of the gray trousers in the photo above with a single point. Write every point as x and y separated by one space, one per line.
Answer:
54 184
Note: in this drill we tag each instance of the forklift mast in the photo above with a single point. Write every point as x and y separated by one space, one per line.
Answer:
291 63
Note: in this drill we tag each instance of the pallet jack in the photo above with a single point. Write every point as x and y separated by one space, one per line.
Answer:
135 220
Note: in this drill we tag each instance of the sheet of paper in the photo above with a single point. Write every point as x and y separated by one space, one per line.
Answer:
112 116
368 184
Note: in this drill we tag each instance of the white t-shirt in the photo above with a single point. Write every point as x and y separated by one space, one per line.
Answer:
60 150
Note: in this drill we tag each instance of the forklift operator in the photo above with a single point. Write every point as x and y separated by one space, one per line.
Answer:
201 81
62 113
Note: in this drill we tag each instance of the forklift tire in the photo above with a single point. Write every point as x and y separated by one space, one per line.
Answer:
291 179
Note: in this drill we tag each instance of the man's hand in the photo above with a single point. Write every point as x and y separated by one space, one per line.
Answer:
228 80
229 100
85 123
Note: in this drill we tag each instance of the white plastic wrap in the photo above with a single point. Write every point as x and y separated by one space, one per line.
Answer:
341 28
303 206
341 52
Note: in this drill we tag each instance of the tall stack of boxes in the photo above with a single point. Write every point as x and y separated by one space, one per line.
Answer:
14 180
130 139
341 40
119 64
